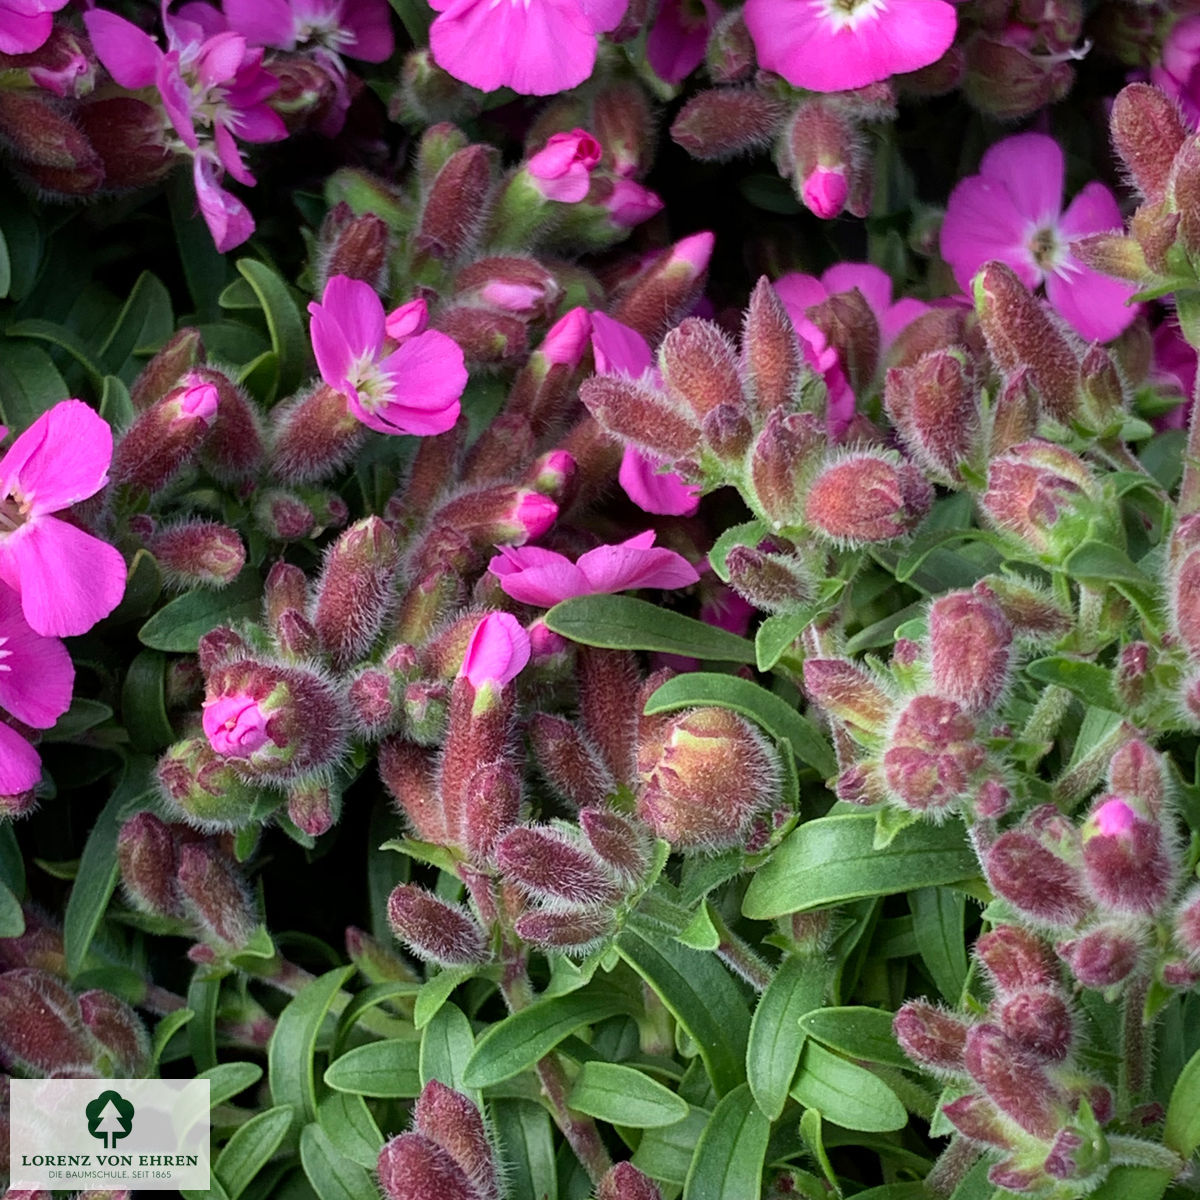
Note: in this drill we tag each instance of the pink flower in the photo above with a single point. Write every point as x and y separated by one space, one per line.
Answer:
228 219
67 579
412 388
1114 817
836 45
497 652
235 726
628 203
567 339
1178 70
26 24
1173 368
407 321
536 576
36 676
1012 211
536 49
679 36
359 29
562 169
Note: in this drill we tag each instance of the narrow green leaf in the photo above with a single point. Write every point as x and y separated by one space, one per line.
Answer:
83 715
143 703
939 921
178 626
62 337
369 997
332 1174
623 623
521 1039
776 1039
700 933
227 1080
813 1135
436 991
446 1047
1091 683
775 715
749 533
388 1068
30 383
293 1045
847 1094
93 886
288 337
1182 1132
250 1147
12 861
728 1162
526 1140
1133 1183
1104 563
857 1031
5 267
625 1096
347 1120
701 995
12 919
145 320
833 859
115 405
204 993
165 1030
666 1153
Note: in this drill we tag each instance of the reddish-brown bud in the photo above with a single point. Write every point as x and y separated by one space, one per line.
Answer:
436 931
313 805
1035 880
407 771
313 435
729 55
1031 610
164 438
414 1167
40 132
286 587
179 354
198 552
641 414
617 840
826 158
353 246
666 290
1126 861
119 1031
147 856
1117 255
215 896
570 763
1039 1021
284 516
234 449
551 867
699 367
867 497
1016 959
978 1120
375 699
782 463
626 1182
520 286
1147 132
852 329
1103 956
486 336
128 138
931 1036
970 642
623 123
491 807
772 582
576 932
721 123
504 515
770 350
932 753
457 204
1014 1081
848 692
1136 770
41 1027
452 1121
935 408
1007 82
220 646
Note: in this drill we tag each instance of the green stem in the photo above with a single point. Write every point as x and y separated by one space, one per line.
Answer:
738 956
1048 713
1135 1044
952 1166
1133 1151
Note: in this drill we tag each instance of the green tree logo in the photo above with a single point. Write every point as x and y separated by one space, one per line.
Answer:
109 1117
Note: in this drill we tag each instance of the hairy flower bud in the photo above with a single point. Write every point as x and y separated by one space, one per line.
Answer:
1016 959
640 414
776 583
148 860
313 436
848 692
1102 956
198 552
570 763
1035 880
1126 860
407 772
486 336
933 750
434 930
354 246
826 159
491 806
234 448
625 1182
576 931
178 354
457 204
867 497
1014 1081
931 1036
128 137
166 436
1039 1021
453 1121
979 1120
782 463
771 356
41 1027
970 643
1147 132
215 896
666 289
201 785
313 805
699 367
934 405
119 1031
721 123
1008 82
554 869
617 840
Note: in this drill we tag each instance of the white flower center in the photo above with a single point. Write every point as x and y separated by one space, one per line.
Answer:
3 655
14 512
848 14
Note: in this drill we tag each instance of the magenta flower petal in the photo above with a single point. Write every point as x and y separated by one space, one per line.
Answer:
20 766
68 579
228 219
544 582
220 57
603 15
656 491
60 459
1031 169
36 673
982 223
635 563
497 652
176 96
128 54
369 24
358 312
428 377
898 316
263 22
676 43
235 725
616 347
231 156
874 283
407 321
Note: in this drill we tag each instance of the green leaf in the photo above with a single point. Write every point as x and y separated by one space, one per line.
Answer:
1091 683
115 405
1103 563
145 321
520 1040
446 1047
204 993
701 995
667 1153
388 1068
775 715
250 1147
1182 1132
98 869
30 383
165 1030
204 267
288 337
700 933
230 1079
369 997
143 586
811 1132
83 715
776 1039
625 1096
436 991
832 860
60 336
5 267
12 861
332 1174
12 919
939 919
526 1140
846 1094
1133 1183
623 623
178 626
857 1031
347 1120
728 1162
748 533
24 243
294 1043
143 703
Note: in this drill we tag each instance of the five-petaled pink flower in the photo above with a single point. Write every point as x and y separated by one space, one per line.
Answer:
678 38
67 579
1012 211
562 169
26 24
413 387
536 48
36 676
497 652
536 576
837 45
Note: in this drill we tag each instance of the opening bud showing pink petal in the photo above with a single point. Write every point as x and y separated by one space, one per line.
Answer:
1016 959
199 783
699 367
970 641
618 841
355 246
626 1182
1147 132
827 159
850 693
570 763
666 290
314 804
414 1167
178 355
1035 880
164 438
499 516
435 931
978 1120
41 1027
457 205
497 652
553 868
1126 860
931 1037
867 497
562 169
146 854
1014 1081
1039 1021
521 286
354 593
452 1121
577 932
125 1045
703 778
313 435
407 771
933 752
721 123
198 552
214 894
1104 955
1006 81
783 462
934 405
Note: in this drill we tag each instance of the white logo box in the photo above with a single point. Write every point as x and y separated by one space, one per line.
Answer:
75 1134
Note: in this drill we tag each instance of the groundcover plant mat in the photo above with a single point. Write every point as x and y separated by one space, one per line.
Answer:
600 599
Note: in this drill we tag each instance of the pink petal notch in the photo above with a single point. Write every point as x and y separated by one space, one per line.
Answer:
497 652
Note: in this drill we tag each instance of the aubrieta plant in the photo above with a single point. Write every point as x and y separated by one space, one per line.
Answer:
600 599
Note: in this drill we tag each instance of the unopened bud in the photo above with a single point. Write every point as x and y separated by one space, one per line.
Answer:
356 247
313 436
376 962
452 1121
626 1182
118 1030
1035 880
554 869
457 204
179 354
666 289
867 497
375 699
576 932
849 693
1007 82
215 895
1130 678
620 843
41 1027
1031 610
296 636
284 516
202 787
623 121
313 805
935 409
782 464
931 1037
1016 959
1039 1021
775 583
978 1120
970 643
520 286
721 123
1014 1081
1136 770
166 436
414 1167
851 329
699 368
198 552
220 646
933 751
1117 255
407 772
826 158
572 766
128 137
486 336
1103 956
146 853
491 807
286 588
46 144
1147 132
770 350
434 930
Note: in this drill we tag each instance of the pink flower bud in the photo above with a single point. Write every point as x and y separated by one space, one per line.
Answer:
1035 880
179 354
166 436
932 753
827 160
628 203
848 692
354 593
407 321
824 191
1126 860
313 805
1016 959
41 1027
626 1182
313 436
521 286
567 340
618 841
867 497
931 1037
414 1167
1039 1021
284 516
978 1120
235 726
1103 956
667 288
497 652
703 777
1147 132
553 869
721 123
215 896
500 516
457 204
452 1121
1014 1081
119 1031
576 932
572 766
562 169
200 784
434 930
199 552
970 642
148 860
